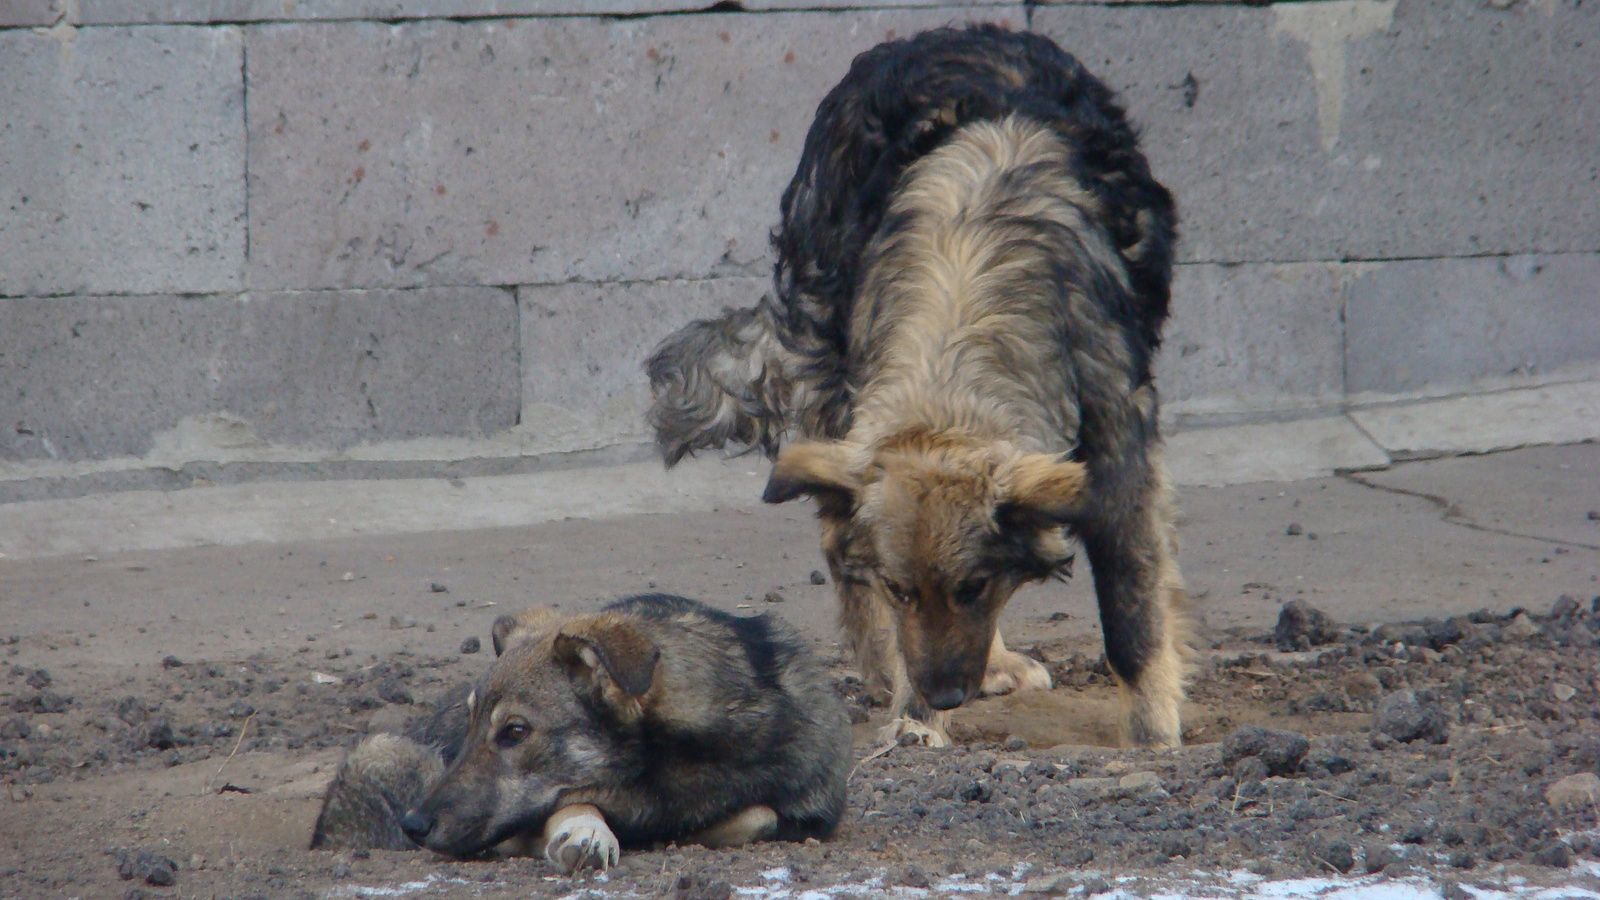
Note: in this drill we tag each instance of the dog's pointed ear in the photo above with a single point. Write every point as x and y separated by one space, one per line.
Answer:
509 630
818 469
609 654
1042 489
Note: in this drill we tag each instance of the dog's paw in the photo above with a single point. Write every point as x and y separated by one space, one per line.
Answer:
583 841
1012 671
911 731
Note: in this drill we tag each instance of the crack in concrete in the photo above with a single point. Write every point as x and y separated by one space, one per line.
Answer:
1451 514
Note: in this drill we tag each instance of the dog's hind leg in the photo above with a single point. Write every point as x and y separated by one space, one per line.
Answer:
1133 552
1010 671
751 824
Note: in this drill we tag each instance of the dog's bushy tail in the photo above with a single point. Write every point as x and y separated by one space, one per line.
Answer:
382 778
721 381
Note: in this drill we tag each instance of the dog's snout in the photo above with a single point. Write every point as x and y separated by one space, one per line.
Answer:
947 697
416 825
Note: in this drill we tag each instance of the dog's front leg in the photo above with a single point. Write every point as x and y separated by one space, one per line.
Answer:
753 823
577 837
911 716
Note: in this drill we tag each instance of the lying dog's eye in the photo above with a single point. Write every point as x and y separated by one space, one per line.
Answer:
512 733
968 592
900 594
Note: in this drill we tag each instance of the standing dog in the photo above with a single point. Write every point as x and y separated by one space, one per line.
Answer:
658 719
972 276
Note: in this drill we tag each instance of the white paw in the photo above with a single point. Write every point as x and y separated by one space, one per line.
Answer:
922 733
1015 672
583 842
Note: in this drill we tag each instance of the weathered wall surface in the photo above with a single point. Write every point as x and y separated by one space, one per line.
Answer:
447 229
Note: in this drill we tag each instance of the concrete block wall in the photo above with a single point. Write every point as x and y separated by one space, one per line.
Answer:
258 231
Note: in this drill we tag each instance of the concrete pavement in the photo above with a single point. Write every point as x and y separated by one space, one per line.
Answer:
1423 538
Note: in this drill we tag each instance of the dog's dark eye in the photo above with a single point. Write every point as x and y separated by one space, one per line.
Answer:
968 592
900 594
512 733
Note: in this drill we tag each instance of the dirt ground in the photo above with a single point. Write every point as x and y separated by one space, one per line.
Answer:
156 738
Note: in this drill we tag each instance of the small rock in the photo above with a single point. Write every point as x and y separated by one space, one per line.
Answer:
1555 854
471 645
773 597
1339 855
45 702
391 690
171 662
1076 856
1280 751
1562 692
1574 792
397 623
912 876
1409 716
437 588
1048 885
348 576
1565 606
977 792
1519 628
1250 770
1139 781
1014 744
156 734
1379 857
817 577
689 887
155 869
1451 890
1294 530
1302 626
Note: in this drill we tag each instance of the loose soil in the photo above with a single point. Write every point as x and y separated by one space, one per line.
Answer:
1392 752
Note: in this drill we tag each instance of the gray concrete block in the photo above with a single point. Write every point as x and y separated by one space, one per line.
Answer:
121 160
120 12
1270 451
17 13
584 347
1361 129
516 152
1253 338
1434 326
1485 423
85 377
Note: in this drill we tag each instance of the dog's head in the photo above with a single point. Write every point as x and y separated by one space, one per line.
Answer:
542 726
944 529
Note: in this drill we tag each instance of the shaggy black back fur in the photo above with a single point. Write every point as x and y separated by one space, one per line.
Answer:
901 100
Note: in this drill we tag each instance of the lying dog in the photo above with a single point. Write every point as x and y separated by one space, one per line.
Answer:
972 276
657 719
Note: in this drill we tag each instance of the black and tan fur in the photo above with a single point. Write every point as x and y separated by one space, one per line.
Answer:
972 276
657 719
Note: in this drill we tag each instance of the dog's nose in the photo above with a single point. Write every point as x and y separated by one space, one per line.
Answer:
416 825
947 698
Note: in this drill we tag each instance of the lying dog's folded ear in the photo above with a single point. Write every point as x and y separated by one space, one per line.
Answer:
608 654
508 630
1043 489
814 468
